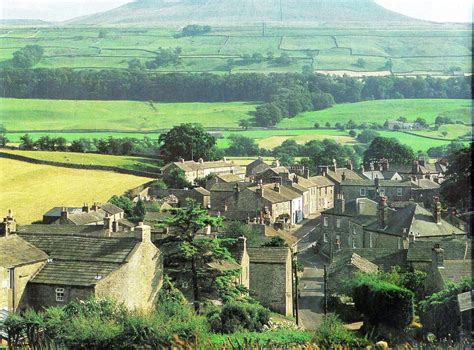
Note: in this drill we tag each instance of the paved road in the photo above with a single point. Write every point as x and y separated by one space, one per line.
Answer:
311 283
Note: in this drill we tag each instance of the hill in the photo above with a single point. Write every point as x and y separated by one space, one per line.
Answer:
319 12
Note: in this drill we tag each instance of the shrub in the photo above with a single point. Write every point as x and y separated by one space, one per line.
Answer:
383 302
238 316
332 332
267 340
439 313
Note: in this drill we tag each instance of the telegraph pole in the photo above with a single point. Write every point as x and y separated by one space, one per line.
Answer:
296 302
325 289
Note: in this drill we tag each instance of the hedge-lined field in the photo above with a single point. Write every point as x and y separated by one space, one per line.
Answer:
31 189
427 48
33 114
381 110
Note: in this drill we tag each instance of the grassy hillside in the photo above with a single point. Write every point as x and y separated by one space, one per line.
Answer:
381 110
153 12
58 115
421 49
125 162
30 190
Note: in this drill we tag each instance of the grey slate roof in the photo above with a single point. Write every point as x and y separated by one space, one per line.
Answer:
56 211
268 255
425 184
229 178
110 208
337 176
321 181
15 251
228 187
357 207
352 260
84 218
371 183
456 270
454 249
97 230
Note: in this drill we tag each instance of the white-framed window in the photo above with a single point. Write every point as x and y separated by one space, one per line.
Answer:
382 191
326 221
60 294
338 223
325 237
399 191
371 242
184 285
354 231
354 244
363 192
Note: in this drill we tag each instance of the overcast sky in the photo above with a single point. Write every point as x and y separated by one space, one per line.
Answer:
56 10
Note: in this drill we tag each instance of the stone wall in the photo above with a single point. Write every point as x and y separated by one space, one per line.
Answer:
39 296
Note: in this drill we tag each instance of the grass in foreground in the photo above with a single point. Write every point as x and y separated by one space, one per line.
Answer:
125 162
30 189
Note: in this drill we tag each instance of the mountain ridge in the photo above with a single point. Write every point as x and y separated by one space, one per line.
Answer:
321 12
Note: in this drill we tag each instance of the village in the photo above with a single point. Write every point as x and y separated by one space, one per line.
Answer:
344 220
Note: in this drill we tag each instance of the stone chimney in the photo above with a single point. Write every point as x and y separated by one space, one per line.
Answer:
242 242
278 180
324 170
414 168
201 161
422 161
64 215
376 182
437 256
8 226
437 210
259 190
384 164
382 211
349 165
95 207
340 204
343 176
306 173
277 188
334 166
236 189
143 233
108 223
85 208
371 166
276 163
362 168
181 160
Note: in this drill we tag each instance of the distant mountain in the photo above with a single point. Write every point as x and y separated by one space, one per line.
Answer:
22 22
319 12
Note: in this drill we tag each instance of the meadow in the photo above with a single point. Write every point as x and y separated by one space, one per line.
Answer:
30 189
414 50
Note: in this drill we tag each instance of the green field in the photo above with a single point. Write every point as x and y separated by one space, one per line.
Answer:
381 110
423 49
124 162
31 189
59 115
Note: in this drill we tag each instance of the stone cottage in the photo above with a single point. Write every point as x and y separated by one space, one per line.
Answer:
272 266
255 167
396 191
129 270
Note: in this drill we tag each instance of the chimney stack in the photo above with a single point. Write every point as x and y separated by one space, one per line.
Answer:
64 215
385 164
95 206
276 163
421 161
181 160
382 212
362 169
8 226
306 173
85 208
236 188
340 204
343 176
377 182
143 233
334 166
108 223
259 190
201 161
371 166
276 188
415 169
437 210
349 165
437 256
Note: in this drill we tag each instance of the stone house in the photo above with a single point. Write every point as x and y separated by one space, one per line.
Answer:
265 203
336 175
223 178
200 169
324 194
396 191
19 263
364 223
255 167
398 125
240 254
419 169
199 194
221 191
272 266
424 190
129 270
273 174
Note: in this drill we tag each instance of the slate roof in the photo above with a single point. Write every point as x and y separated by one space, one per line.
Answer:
355 261
257 166
357 207
229 178
97 230
15 251
382 175
127 223
321 181
304 182
456 270
286 194
418 220
454 249
337 176
268 255
84 218
191 165
56 211
298 188
86 249
228 187
425 184
110 208
202 191
223 265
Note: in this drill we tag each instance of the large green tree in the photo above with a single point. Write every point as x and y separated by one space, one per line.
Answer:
389 148
456 189
187 141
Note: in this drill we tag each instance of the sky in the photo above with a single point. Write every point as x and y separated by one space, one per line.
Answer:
57 10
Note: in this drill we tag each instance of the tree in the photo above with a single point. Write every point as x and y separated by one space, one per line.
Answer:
103 34
3 138
139 211
268 114
284 60
244 124
124 203
188 141
422 122
456 188
352 133
444 133
27 143
317 125
242 146
351 124
197 252
175 178
322 100
389 148
361 63
367 136
28 56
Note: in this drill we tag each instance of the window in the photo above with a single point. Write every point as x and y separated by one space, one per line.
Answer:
184 285
59 294
354 231
354 245
399 192
399 243
371 243
325 237
363 192
326 221
338 223
382 191
9 281
338 242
